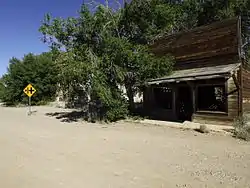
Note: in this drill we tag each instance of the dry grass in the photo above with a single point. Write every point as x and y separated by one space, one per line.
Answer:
242 128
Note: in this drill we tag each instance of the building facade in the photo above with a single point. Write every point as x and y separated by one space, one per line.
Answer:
211 79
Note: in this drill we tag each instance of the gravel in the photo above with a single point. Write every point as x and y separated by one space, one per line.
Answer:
41 151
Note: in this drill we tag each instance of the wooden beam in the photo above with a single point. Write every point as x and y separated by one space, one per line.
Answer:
240 99
239 37
193 94
174 89
194 98
231 92
225 96
186 79
236 82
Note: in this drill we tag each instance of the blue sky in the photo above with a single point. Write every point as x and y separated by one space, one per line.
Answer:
20 21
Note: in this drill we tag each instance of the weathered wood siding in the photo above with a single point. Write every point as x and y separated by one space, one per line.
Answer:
207 62
219 119
233 98
209 46
246 90
216 39
232 107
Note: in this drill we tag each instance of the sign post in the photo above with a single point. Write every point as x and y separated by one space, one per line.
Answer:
29 91
29 113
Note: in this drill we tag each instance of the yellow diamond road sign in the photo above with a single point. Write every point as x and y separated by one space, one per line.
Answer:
29 90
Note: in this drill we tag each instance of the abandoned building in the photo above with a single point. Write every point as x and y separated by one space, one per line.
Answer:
211 78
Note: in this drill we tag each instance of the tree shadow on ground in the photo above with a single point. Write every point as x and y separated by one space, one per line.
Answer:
69 117
92 116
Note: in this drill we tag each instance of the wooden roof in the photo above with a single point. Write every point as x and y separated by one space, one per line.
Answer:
198 73
219 38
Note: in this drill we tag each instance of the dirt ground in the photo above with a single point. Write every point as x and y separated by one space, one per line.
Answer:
41 151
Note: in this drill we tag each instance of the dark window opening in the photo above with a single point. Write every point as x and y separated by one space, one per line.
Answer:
212 98
163 97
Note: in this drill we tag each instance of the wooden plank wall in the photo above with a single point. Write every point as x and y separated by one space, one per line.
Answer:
246 90
220 118
207 62
233 99
212 119
207 41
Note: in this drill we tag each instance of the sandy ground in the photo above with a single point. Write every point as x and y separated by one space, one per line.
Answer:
40 151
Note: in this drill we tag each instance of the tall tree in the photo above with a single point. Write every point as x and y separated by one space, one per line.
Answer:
101 58
39 70
2 89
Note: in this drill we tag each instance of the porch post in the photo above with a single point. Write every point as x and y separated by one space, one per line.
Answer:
174 102
194 98
240 93
193 93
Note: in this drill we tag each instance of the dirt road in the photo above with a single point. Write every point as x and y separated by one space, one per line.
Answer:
40 151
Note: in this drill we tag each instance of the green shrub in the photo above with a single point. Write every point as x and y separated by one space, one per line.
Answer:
38 70
242 128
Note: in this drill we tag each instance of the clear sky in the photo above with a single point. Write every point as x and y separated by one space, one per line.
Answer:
20 21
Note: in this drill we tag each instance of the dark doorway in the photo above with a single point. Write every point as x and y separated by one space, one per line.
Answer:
163 97
184 105
212 98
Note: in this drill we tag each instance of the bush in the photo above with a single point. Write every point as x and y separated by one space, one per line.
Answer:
39 70
242 128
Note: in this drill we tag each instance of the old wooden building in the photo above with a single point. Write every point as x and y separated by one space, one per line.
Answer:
211 80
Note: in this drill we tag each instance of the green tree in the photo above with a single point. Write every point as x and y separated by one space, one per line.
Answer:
39 70
207 12
2 89
142 21
100 58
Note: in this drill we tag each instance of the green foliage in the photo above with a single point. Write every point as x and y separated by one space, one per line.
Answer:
38 70
100 58
211 11
95 54
142 20
99 51
2 89
242 128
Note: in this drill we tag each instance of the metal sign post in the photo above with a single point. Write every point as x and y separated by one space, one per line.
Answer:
29 113
29 91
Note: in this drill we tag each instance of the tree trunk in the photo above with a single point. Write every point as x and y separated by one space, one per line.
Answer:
130 95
